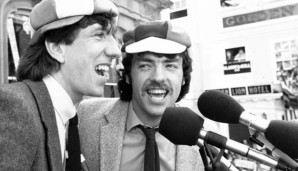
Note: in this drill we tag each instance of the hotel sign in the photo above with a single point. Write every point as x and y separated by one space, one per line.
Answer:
262 89
250 90
224 90
263 15
239 91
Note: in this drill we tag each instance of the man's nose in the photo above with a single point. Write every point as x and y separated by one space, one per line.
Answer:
158 74
113 49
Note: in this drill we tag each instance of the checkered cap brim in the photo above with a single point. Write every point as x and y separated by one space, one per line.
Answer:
158 36
53 14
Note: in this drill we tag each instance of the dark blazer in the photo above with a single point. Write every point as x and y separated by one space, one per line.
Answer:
28 131
102 127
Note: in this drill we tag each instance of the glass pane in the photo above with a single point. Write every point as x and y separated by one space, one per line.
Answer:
19 34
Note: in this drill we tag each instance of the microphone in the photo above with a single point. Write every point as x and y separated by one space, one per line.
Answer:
183 126
186 126
275 152
215 152
221 107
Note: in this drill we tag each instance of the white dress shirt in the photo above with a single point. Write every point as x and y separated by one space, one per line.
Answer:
64 109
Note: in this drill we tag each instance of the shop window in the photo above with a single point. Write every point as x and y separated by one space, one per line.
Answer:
111 87
178 9
286 57
19 34
178 4
178 14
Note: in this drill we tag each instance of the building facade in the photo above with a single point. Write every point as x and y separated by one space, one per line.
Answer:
247 49
15 31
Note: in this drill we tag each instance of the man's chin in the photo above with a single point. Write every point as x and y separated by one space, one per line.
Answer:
157 111
97 93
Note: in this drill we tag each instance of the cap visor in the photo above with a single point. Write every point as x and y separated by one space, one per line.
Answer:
157 45
54 25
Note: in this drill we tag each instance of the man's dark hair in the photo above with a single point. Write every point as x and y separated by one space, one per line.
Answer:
37 62
125 89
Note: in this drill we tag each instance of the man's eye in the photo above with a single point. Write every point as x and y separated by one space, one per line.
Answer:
172 66
144 66
100 35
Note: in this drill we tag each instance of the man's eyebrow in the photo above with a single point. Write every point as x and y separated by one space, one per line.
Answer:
96 28
142 58
175 59
99 27
149 59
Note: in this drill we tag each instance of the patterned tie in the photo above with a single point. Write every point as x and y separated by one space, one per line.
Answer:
73 163
151 161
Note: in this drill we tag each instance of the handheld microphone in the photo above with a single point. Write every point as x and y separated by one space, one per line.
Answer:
183 126
275 152
221 107
188 126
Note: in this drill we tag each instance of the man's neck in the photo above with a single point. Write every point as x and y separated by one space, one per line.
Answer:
75 97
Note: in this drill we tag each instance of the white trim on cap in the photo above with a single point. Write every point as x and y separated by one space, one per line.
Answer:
66 8
157 45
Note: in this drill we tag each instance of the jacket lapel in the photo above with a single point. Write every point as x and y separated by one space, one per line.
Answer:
111 137
188 158
47 115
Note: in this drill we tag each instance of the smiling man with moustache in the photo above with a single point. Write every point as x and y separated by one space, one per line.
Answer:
156 75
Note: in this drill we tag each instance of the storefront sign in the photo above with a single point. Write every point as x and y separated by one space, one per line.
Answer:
225 90
262 89
239 91
259 16
236 67
251 90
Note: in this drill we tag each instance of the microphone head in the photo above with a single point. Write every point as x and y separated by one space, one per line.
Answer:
181 125
219 106
284 135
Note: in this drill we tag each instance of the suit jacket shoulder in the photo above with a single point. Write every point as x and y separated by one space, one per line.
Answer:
19 130
26 119
95 107
101 125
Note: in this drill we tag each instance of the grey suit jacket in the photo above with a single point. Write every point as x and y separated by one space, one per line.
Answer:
102 125
28 131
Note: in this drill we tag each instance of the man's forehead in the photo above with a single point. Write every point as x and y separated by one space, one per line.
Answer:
95 28
98 26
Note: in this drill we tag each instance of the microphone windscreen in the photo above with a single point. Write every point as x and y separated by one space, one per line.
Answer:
181 125
219 106
284 136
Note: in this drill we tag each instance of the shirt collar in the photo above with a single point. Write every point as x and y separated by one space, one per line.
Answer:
132 118
60 98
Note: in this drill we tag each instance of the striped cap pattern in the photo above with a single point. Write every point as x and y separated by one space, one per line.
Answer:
53 14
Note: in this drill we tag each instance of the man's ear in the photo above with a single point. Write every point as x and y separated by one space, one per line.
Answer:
127 79
55 50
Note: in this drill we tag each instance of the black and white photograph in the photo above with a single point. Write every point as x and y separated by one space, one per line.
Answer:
237 61
148 85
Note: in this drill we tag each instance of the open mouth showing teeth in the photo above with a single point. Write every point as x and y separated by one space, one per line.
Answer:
102 70
157 94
